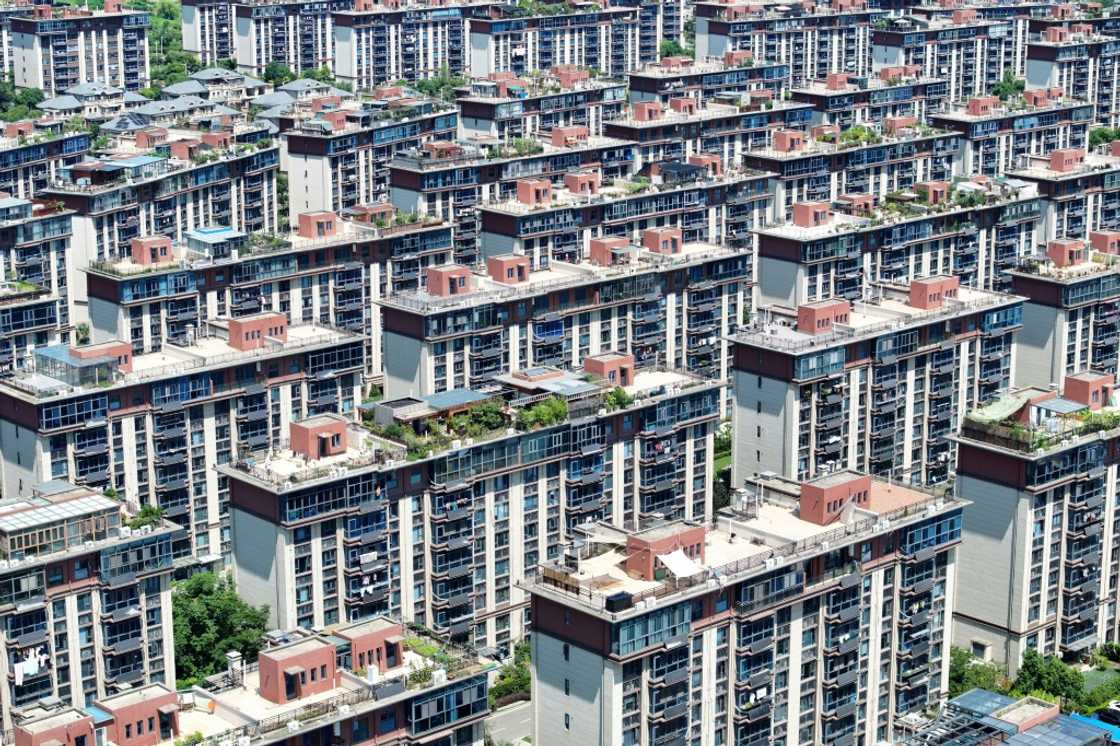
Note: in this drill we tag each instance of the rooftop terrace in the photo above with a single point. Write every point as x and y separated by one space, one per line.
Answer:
766 528
209 351
775 327
558 276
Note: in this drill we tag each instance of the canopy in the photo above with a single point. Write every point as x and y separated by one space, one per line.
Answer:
679 564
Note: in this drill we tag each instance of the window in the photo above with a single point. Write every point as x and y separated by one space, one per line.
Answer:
980 650
567 688
567 651
567 721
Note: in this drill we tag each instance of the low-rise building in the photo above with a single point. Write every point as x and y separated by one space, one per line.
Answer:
151 427
997 137
94 102
439 515
86 600
812 612
876 385
217 84
1036 465
504 107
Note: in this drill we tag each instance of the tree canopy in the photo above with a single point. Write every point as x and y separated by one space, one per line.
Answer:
1009 86
210 620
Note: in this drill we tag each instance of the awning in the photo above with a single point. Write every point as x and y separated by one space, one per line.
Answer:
168 709
395 639
294 670
679 564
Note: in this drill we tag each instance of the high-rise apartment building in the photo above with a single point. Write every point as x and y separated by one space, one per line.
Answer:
667 303
53 51
846 100
152 426
449 180
826 39
1037 469
36 308
877 385
85 601
439 527
1082 62
813 612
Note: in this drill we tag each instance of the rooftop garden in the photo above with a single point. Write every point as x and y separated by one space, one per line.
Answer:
518 147
1011 434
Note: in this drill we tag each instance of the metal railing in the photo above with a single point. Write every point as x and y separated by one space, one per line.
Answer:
558 578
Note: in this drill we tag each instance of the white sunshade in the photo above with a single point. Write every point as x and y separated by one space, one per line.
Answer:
679 564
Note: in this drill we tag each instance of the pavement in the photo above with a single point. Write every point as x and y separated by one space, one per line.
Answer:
511 724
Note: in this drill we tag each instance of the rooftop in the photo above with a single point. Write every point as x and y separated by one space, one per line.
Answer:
698 67
224 710
412 429
903 207
775 327
1031 422
980 716
869 83
490 152
620 189
557 276
1038 167
764 530
1017 107
1096 265
208 351
708 112
815 146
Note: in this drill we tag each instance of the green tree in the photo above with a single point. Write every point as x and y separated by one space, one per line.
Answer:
672 48
322 74
1102 135
514 679
617 398
1009 86
442 85
210 620
228 63
149 515
278 74
1049 675
282 196
968 672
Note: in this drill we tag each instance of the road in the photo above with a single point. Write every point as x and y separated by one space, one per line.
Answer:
511 724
